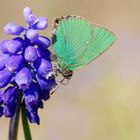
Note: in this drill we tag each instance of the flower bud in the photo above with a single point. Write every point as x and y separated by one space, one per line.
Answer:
13 46
23 78
13 29
5 77
43 67
32 34
40 23
28 16
30 54
15 63
43 41
3 60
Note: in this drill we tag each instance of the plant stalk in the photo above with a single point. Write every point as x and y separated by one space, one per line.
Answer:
13 128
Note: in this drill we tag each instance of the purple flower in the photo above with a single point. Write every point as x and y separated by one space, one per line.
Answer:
45 84
23 78
1 96
5 77
30 54
10 109
11 46
13 29
33 117
25 67
3 46
43 53
32 34
15 63
31 97
40 23
44 94
43 67
32 101
28 16
3 60
8 100
43 42
14 46
9 95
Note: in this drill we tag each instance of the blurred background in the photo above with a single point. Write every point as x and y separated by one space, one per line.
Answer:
102 100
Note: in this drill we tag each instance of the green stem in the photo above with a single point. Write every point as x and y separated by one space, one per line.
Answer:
25 123
13 128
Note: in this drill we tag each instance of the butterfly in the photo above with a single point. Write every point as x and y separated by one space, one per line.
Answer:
76 43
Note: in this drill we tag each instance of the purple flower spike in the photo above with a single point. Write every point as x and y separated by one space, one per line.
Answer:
43 41
25 66
41 23
5 77
23 78
30 54
32 34
13 29
15 63
9 95
43 67
3 60
1 111
29 17
14 46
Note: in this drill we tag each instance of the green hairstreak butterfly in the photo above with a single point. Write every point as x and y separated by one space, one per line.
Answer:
77 42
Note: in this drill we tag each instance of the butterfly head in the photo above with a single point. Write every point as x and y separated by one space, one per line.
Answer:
67 74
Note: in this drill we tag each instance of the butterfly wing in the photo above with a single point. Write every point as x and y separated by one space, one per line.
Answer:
76 42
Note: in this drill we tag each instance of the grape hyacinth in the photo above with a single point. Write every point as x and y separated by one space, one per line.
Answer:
25 67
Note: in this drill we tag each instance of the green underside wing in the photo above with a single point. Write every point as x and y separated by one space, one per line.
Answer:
76 42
